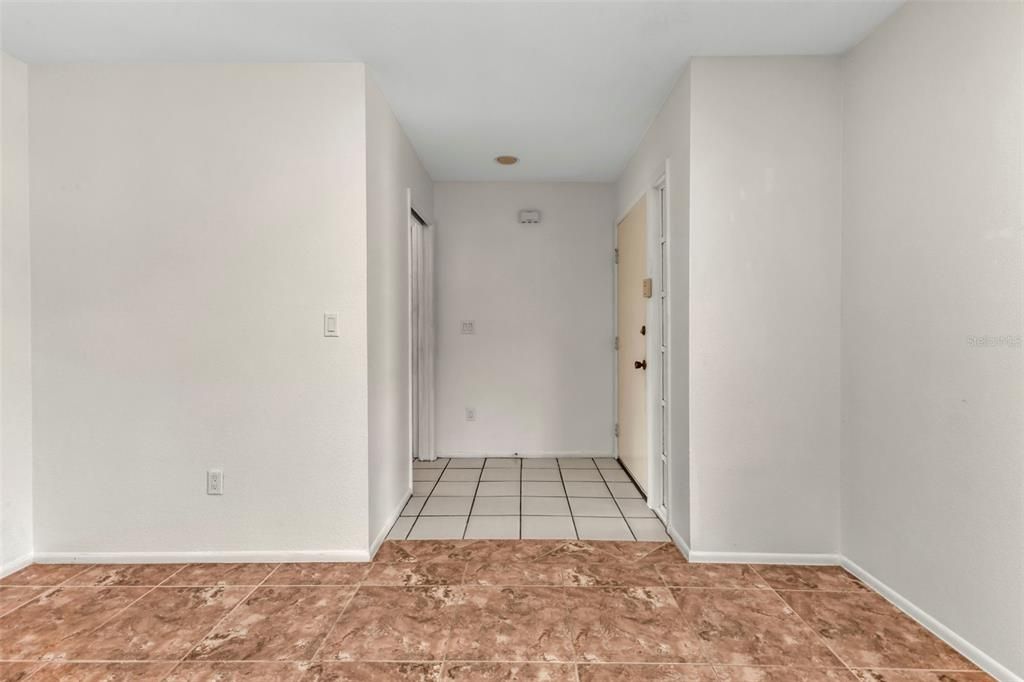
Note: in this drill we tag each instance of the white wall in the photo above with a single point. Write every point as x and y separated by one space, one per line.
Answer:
392 169
539 370
933 427
15 322
764 304
666 144
191 225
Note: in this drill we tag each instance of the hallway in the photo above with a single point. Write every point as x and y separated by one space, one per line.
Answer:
538 498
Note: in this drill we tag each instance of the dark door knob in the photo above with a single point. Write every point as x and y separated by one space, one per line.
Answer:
640 364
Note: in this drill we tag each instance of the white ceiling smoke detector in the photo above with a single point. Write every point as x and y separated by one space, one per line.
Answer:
529 217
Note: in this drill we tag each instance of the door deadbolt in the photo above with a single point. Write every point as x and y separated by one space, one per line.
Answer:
640 364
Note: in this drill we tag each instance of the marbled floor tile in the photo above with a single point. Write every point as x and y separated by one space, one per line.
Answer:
646 672
44 575
16 672
739 576
783 674
164 625
570 552
319 574
205 575
751 627
666 554
393 624
417 574
511 624
373 672
115 671
126 575
407 551
809 578
13 596
922 676
522 573
275 623
45 625
611 573
505 551
236 671
627 550
866 631
630 625
509 672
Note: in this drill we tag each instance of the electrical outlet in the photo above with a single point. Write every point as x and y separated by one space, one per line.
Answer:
214 482
470 414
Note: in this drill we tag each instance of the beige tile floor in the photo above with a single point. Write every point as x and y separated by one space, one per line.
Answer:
531 498
560 611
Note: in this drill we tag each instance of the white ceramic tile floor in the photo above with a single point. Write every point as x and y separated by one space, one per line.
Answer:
534 498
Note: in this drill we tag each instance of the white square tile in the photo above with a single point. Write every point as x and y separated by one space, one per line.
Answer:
581 475
422 488
438 528
461 475
617 475
607 463
576 463
502 463
447 506
599 528
548 528
433 464
624 490
455 489
426 474
545 506
493 527
540 463
594 506
493 488
632 508
496 506
500 474
543 488
648 529
541 475
582 489
401 528
466 463
413 506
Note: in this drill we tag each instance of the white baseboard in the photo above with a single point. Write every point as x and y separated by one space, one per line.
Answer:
701 557
973 653
258 556
679 541
15 565
382 535
526 455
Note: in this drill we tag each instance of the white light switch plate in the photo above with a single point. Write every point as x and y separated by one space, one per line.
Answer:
468 327
330 324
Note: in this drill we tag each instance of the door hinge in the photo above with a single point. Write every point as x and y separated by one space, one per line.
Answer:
616 256
616 430
616 343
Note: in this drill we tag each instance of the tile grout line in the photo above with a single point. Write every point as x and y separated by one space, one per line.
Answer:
419 513
330 630
622 514
224 617
476 491
801 618
572 516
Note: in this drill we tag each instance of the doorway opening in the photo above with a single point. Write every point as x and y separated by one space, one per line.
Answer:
421 337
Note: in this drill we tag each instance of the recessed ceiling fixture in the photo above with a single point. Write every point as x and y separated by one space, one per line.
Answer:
507 160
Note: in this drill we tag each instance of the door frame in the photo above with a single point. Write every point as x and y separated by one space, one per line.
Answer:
420 336
659 486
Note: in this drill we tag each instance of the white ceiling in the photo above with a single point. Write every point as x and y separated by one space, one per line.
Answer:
569 87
